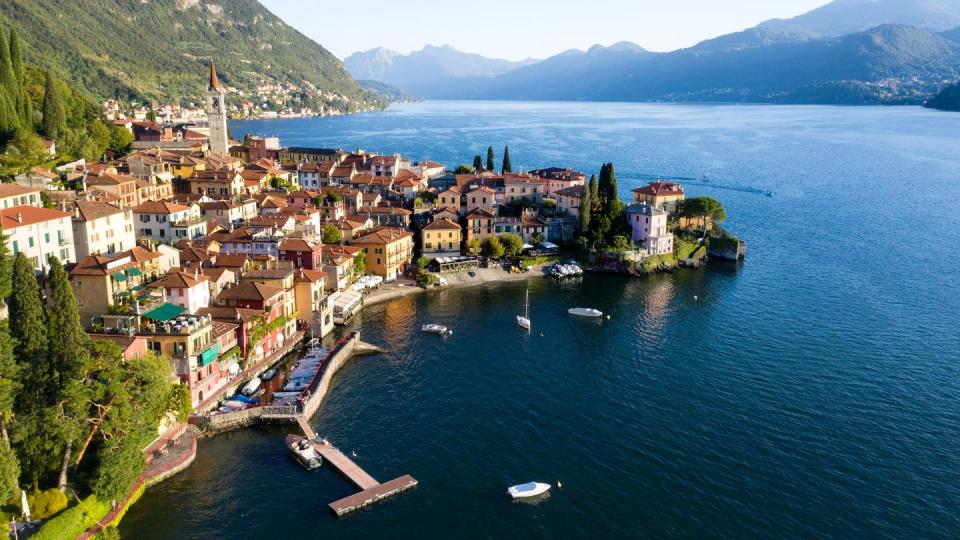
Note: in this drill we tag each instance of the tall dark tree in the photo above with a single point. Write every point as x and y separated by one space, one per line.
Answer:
69 360
16 55
9 382
23 106
490 166
507 166
477 163
8 79
30 333
6 268
610 202
54 114
586 206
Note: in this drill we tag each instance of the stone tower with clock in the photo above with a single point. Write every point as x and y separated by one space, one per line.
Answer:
217 114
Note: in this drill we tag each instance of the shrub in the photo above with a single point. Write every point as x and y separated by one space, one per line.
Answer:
74 520
46 503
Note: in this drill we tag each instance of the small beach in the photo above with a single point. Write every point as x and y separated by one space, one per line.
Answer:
406 287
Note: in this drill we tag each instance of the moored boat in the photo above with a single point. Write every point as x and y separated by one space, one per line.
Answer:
303 451
251 387
530 489
585 312
269 374
523 321
437 329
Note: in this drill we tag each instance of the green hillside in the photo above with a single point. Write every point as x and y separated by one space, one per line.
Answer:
947 100
159 49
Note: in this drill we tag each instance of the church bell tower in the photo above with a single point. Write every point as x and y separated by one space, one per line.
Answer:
217 114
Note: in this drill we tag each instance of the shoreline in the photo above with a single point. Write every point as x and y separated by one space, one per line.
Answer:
403 288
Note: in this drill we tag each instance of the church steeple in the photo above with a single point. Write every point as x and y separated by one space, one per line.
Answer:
214 81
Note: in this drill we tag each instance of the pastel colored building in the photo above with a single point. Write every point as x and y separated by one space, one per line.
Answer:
38 233
649 226
662 195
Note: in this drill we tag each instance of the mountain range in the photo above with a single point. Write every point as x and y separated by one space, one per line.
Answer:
846 52
421 72
158 50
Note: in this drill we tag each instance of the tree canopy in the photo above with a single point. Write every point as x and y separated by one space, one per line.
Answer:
507 165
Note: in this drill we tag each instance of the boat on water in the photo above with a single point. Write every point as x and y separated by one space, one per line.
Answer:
296 385
437 329
530 489
269 374
251 387
304 452
524 320
585 312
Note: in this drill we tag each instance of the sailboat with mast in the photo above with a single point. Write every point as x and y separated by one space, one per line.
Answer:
524 320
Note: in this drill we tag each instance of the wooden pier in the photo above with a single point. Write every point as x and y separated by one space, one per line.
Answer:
369 496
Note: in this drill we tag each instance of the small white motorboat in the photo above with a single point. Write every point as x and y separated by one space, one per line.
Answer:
304 452
296 385
269 374
530 489
585 312
437 329
251 387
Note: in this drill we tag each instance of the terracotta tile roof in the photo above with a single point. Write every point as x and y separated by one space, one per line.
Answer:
20 216
390 210
220 328
311 276
224 313
15 190
442 224
479 212
248 290
91 210
231 260
572 191
109 179
383 235
297 244
660 189
178 279
159 207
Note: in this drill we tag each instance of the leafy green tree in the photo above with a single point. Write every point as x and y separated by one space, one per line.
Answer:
16 55
537 239
54 114
620 243
507 166
9 121
477 163
24 150
152 115
330 234
512 244
422 263
474 246
492 247
360 264
6 268
706 210
490 165
120 463
120 139
463 169
610 202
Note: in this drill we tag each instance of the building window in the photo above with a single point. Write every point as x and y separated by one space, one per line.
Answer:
30 241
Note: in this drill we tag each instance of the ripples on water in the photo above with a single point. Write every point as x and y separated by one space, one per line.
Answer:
810 392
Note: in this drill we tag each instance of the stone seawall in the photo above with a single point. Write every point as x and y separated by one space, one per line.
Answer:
339 359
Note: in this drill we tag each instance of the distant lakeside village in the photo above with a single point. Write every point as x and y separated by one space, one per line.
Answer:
221 257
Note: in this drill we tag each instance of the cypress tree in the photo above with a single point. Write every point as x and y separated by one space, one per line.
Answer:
586 205
507 166
6 267
69 362
30 333
593 189
9 119
54 115
7 79
477 163
612 205
16 55
490 158
9 382
24 107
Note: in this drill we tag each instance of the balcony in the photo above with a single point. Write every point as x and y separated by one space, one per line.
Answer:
188 222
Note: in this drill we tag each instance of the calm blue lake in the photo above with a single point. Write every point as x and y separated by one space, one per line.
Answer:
811 391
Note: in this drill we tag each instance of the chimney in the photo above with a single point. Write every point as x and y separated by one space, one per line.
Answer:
19 217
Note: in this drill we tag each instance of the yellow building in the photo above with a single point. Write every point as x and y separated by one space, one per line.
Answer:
661 195
442 237
313 302
388 251
102 281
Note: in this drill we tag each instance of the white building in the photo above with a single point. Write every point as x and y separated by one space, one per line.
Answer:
38 233
167 222
188 290
101 228
649 226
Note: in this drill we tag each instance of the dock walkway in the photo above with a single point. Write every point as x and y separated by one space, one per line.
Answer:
345 465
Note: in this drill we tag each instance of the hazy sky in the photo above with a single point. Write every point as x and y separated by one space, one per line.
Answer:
516 29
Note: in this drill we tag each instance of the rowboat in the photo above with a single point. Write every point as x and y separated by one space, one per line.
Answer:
530 489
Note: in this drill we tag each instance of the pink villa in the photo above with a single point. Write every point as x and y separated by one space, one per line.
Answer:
649 226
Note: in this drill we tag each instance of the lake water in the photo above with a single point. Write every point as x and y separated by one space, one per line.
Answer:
811 391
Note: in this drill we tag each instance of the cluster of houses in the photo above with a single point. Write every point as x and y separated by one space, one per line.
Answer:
210 252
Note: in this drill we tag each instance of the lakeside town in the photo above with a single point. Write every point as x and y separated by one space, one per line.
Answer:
219 257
